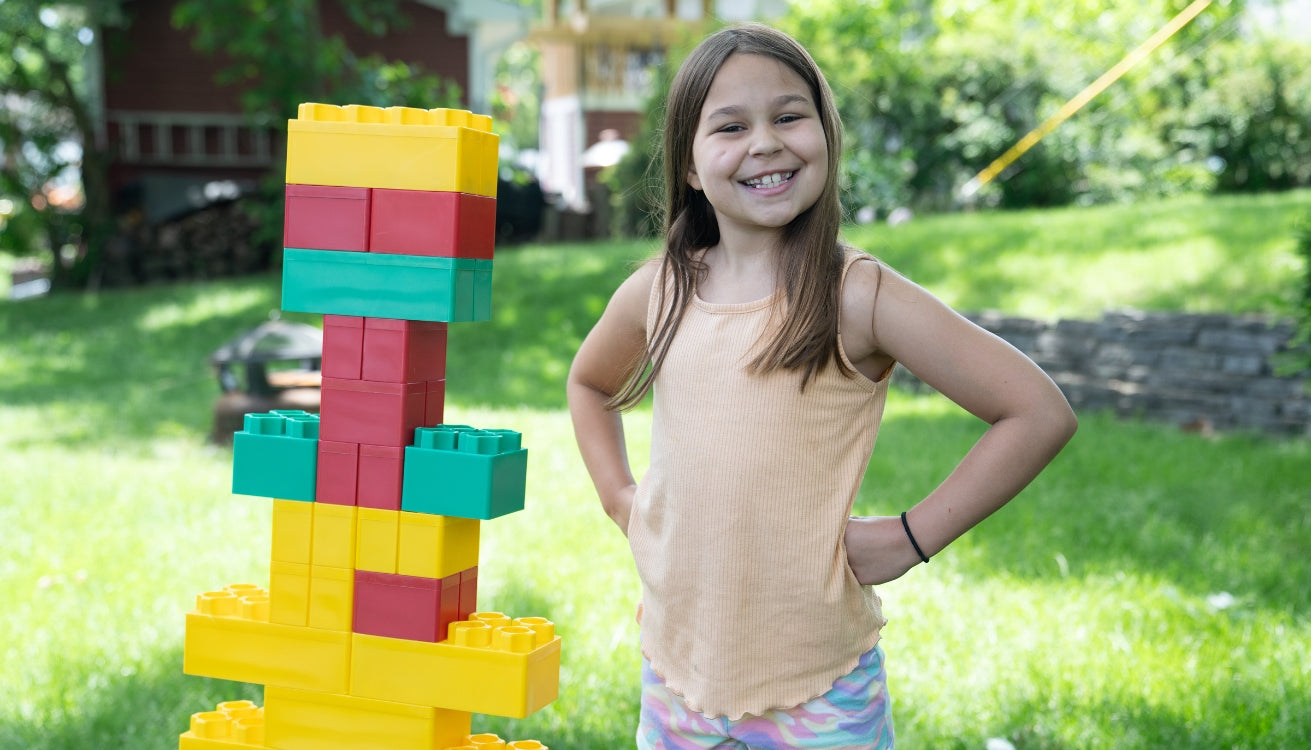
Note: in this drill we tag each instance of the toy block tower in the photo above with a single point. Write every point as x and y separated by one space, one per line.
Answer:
369 634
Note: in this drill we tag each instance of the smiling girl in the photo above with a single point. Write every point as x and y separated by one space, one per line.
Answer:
769 345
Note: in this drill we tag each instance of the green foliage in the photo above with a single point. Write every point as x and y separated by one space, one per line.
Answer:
1252 110
47 136
931 93
1298 358
636 183
517 100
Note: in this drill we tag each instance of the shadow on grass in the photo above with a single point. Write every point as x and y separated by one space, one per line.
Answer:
133 363
1228 514
126 364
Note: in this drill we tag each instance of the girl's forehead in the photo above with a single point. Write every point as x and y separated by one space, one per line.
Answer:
746 76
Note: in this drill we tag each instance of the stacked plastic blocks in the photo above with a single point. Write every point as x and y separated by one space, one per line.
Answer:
368 634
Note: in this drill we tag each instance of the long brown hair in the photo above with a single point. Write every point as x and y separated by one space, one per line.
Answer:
810 255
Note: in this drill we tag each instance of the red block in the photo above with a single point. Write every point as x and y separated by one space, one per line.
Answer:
403 351
364 411
410 607
418 222
343 346
338 472
468 592
320 217
382 470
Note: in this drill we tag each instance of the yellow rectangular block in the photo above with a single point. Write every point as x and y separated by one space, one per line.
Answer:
398 147
266 653
302 720
332 597
513 672
289 593
377 539
436 546
334 535
293 523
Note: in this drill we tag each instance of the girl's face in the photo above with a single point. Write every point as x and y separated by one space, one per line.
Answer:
759 152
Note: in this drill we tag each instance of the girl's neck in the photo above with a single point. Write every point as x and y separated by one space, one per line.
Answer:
738 272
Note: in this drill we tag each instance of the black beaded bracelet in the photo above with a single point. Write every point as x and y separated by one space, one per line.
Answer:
911 537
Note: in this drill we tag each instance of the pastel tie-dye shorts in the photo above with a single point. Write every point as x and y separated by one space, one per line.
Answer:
856 713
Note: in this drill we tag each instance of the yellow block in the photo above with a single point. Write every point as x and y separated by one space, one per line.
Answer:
436 546
334 535
377 539
245 647
397 147
289 593
300 719
332 597
231 726
293 522
489 665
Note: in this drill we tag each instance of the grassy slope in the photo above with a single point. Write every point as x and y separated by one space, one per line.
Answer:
1082 616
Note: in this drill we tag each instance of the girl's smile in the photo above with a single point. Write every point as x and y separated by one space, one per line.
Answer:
759 153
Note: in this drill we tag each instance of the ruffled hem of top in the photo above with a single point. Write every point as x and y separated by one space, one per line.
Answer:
784 705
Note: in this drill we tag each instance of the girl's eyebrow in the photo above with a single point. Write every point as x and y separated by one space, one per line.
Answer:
735 110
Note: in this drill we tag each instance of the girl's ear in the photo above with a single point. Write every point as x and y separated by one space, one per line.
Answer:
692 178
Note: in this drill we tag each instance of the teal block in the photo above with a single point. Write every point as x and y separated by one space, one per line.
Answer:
382 285
455 470
276 455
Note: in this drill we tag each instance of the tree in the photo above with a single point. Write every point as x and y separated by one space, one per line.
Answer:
47 135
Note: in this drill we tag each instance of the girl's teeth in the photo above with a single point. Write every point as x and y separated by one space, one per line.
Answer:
770 180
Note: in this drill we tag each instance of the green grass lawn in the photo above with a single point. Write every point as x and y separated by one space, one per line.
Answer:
1151 590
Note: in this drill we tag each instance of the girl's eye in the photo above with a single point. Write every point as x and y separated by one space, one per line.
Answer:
789 118
731 129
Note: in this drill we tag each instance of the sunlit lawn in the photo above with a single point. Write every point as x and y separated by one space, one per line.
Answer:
1151 590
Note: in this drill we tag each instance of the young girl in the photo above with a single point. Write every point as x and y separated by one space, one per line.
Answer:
768 344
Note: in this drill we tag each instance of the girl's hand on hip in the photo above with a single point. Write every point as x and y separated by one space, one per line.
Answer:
878 550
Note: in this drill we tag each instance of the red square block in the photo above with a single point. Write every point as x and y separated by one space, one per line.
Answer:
409 607
321 217
468 592
418 222
382 472
337 472
343 346
364 411
403 351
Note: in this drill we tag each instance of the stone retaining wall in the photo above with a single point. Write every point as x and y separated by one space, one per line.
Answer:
1203 372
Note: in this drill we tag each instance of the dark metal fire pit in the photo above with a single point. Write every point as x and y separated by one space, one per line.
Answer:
276 365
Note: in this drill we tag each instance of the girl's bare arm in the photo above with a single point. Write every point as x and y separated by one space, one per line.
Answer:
1030 421
604 362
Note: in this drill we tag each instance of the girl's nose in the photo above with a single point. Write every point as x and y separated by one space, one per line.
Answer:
765 142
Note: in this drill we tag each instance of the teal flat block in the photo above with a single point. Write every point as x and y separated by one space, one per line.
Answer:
276 455
454 470
381 285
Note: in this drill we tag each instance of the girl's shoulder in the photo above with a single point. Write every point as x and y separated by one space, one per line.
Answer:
631 299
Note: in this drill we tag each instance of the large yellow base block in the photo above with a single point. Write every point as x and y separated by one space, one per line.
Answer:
489 665
301 720
397 147
254 650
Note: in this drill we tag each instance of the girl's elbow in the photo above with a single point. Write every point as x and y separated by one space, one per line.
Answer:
1064 423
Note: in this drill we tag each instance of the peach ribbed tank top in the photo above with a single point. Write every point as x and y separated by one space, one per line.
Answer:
737 527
